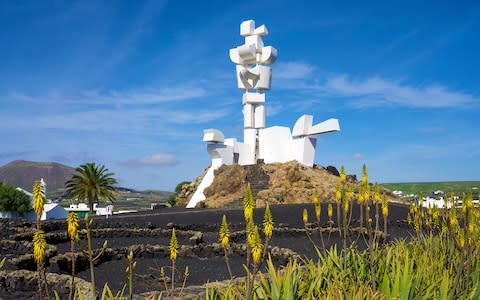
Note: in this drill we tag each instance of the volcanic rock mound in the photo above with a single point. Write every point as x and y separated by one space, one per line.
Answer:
276 183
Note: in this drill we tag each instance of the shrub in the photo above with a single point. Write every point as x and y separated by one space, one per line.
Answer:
172 199
12 199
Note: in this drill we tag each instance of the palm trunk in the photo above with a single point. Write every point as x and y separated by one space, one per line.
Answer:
90 205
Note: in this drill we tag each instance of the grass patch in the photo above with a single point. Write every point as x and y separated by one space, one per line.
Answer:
458 187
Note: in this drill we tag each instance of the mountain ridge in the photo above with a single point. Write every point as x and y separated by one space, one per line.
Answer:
23 173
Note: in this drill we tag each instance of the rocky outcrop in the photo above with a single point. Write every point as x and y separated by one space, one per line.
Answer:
22 284
275 183
187 190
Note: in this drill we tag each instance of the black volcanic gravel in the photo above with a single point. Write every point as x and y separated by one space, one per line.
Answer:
207 267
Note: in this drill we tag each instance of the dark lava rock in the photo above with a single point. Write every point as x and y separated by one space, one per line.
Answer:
352 178
197 238
23 284
332 170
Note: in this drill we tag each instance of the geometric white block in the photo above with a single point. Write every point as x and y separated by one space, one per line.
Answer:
329 125
247 57
303 149
255 40
250 139
245 157
223 153
232 142
247 53
247 28
302 126
253 98
259 116
248 116
269 55
265 77
213 135
246 77
261 30
275 144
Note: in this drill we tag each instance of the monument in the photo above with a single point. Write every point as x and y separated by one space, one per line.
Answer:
270 144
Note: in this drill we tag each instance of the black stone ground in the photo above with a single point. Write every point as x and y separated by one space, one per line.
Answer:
205 266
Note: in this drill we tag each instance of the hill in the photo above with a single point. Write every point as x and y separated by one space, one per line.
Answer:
458 187
276 183
22 173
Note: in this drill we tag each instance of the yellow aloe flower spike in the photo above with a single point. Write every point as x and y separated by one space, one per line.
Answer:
364 175
173 247
72 225
343 177
39 245
256 246
318 211
250 232
315 198
248 203
330 211
268 223
385 206
338 194
38 198
224 232
305 216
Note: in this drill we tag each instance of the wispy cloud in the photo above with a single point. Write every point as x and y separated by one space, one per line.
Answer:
136 97
377 91
156 160
116 120
293 70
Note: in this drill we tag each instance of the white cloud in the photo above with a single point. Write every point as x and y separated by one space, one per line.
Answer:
156 160
134 97
376 91
292 70
165 122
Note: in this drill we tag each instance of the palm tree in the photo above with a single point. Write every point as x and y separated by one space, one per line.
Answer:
92 183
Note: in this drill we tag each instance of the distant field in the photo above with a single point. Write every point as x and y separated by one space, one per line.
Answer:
458 187
134 200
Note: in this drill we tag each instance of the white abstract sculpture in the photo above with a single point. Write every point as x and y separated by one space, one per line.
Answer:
273 144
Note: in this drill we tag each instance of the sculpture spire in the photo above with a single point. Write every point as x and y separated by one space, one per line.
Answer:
251 59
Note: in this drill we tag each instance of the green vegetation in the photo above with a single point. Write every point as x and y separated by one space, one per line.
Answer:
172 198
13 200
457 187
91 183
179 186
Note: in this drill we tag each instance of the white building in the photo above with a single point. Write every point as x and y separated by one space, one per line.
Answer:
53 211
82 209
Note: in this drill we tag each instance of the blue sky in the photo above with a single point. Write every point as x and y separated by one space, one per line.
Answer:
132 84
